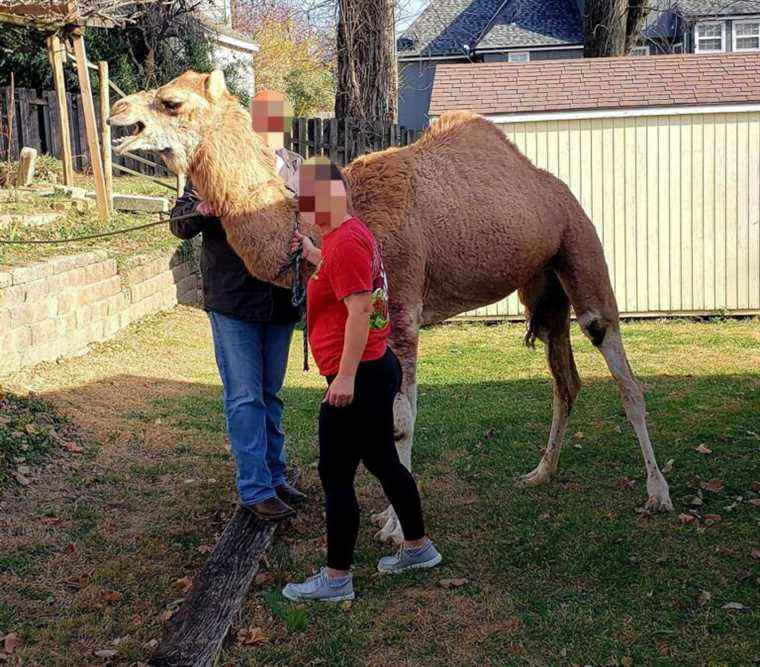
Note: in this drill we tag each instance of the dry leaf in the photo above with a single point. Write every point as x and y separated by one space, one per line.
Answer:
106 654
624 483
714 485
184 584
579 434
167 615
205 548
663 649
263 579
110 597
50 520
711 519
346 605
73 448
755 554
11 642
252 637
453 583
685 519
756 487
703 449
668 467
755 502
704 598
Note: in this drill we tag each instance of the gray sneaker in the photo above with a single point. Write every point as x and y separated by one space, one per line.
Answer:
321 587
410 559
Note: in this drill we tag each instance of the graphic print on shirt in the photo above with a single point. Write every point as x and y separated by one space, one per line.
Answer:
379 318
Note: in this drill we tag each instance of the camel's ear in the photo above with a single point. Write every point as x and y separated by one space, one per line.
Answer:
216 86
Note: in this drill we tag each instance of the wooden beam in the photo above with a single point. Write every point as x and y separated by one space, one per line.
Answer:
62 116
127 170
91 124
198 630
105 130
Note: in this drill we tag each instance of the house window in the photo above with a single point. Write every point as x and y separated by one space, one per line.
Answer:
640 51
709 37
518 57
747 36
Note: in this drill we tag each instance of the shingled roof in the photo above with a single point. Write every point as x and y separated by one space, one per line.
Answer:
446 27
597 83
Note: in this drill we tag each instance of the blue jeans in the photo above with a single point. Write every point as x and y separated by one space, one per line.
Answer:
252 358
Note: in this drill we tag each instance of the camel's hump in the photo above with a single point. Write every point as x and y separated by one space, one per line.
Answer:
456 122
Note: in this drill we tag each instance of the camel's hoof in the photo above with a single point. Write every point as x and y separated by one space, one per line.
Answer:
659 496
539 475
391 531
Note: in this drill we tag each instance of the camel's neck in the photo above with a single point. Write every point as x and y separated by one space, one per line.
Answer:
232 172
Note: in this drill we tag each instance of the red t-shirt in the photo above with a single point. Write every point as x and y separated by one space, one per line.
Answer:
351 263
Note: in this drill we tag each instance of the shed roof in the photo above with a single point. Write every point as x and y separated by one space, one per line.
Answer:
597 83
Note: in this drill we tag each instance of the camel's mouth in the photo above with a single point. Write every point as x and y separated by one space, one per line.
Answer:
121 144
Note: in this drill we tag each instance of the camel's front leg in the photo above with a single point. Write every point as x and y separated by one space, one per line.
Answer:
404 344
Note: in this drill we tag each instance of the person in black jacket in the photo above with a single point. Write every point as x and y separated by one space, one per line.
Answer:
252 325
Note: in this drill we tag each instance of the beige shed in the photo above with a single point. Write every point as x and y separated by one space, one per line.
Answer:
663 153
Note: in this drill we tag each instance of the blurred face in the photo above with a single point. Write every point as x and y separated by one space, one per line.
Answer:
271 116
322 200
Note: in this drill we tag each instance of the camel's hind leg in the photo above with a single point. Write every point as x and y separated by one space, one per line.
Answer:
611 347
583 273
548 311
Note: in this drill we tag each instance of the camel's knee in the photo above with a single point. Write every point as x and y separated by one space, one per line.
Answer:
594 326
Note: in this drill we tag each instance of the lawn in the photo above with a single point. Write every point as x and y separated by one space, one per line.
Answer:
97 547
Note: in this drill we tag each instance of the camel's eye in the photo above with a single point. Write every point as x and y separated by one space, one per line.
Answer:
171 105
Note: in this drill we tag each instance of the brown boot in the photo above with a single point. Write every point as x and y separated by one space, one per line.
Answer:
271 509
290 494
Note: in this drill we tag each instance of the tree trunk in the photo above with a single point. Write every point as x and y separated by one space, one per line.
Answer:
638 10
604 28
367 86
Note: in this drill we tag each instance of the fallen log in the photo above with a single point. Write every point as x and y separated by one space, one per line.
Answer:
198 630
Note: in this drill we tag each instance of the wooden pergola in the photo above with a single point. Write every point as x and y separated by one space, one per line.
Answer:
64 22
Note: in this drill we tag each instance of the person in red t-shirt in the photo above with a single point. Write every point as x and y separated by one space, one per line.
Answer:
348 325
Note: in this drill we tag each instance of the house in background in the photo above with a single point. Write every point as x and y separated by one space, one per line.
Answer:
482 31
230 46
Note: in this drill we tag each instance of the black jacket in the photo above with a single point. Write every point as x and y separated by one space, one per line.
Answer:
228 288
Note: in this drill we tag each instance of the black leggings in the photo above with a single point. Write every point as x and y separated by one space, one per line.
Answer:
363 431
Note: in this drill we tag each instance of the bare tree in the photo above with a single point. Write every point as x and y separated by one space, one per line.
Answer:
367 78
612 27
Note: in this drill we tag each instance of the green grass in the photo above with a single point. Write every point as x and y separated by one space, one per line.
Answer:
569 573
29 432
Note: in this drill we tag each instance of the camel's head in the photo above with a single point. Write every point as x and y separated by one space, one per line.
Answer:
171 120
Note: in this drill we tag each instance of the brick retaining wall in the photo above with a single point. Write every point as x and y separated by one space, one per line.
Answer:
56 308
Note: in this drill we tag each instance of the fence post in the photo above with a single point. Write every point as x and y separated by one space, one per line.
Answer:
319 139
105 131
333 138
90 123
303 138
62 113
29 131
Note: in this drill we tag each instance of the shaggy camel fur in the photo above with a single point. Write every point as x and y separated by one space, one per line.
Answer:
463 219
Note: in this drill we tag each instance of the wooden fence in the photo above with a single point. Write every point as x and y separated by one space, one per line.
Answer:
36 126
344 139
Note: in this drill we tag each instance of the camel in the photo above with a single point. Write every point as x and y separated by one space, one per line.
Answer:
462 217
